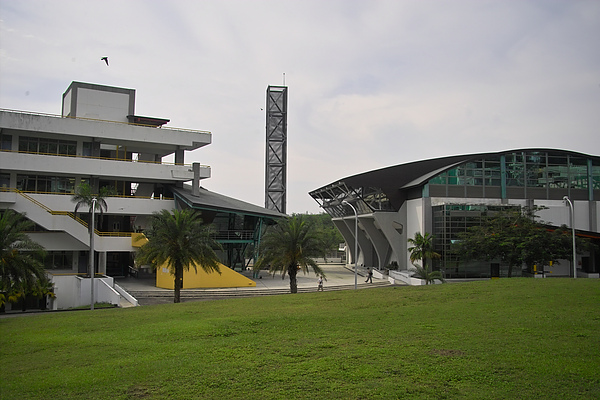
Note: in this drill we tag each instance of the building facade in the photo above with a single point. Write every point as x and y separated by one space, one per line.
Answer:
100 140
445 196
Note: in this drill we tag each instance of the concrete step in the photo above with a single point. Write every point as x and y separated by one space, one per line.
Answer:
230 293
125 304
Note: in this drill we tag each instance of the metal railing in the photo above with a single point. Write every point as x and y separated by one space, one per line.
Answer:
103 120
119 196
67 214
99 158
234 235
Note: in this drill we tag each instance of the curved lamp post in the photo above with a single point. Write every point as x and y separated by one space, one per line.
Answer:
570 204
92 269
355 241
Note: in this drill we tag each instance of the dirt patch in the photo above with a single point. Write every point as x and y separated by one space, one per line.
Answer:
447 352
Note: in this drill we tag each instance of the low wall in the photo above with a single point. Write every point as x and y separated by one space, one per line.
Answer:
404 276
74 291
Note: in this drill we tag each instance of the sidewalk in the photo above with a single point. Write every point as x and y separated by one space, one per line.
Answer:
335 275
338 277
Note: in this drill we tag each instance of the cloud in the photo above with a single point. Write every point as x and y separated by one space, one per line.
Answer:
371 83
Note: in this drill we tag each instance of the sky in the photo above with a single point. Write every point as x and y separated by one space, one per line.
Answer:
371 83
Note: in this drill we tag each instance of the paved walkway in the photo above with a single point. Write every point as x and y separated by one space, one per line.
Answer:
338 277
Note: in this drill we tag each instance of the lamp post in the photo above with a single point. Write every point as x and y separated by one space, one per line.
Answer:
91 262
355 242
570 204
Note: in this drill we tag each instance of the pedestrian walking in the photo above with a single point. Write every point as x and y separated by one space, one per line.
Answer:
369 275
320 284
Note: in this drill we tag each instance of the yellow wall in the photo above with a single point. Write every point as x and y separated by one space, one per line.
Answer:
138 239
200 279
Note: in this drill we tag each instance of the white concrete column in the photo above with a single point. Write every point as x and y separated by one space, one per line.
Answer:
102 262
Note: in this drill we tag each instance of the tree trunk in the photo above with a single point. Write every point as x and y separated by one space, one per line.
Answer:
178 284
292 272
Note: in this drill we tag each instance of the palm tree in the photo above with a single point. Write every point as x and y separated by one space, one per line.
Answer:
422 248
426 274
180 240
289 246
21 267
85 197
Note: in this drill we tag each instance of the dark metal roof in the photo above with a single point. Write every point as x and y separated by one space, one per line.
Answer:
151 121
211 201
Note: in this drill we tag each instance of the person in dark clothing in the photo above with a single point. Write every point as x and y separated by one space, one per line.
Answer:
369 275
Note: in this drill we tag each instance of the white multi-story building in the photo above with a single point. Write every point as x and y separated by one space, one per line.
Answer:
99 140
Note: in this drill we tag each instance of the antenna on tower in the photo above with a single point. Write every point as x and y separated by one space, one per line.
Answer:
284 79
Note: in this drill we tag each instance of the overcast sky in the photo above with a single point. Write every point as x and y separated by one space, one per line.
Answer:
371 83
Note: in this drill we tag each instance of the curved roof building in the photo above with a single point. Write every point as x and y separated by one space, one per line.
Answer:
444 196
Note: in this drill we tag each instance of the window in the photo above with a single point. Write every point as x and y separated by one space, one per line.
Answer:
578 176
87 149
45 184
4 180
535 169
47 146
596 174
5 142
515 174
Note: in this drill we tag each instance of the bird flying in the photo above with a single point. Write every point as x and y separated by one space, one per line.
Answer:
105 59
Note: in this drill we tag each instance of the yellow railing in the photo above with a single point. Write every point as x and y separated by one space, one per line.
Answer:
119 196
67 214
100 158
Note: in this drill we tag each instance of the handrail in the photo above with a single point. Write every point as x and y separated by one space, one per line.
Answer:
67 214
103 120
99 158
119 196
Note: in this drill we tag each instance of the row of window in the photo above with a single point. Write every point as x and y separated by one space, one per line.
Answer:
47 184
63 185
535 169
36 145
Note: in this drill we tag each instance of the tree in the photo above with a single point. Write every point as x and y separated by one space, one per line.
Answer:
329 234
84 196
179 239
426 274
21 267
515 238
422 248
289 246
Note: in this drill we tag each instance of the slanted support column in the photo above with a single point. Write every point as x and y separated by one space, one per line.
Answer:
378 240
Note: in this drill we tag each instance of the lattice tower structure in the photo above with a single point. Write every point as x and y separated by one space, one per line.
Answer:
276 153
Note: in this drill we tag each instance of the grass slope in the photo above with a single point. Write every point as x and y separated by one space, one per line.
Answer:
509 338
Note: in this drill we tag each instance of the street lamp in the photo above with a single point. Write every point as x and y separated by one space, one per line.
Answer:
91 262
570 204
355 242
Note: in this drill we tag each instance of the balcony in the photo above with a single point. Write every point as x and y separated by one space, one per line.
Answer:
105 168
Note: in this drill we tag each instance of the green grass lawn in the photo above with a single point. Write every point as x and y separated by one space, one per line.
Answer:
501 339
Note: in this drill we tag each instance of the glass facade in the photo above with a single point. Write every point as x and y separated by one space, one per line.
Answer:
449 220
514 175
532 174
